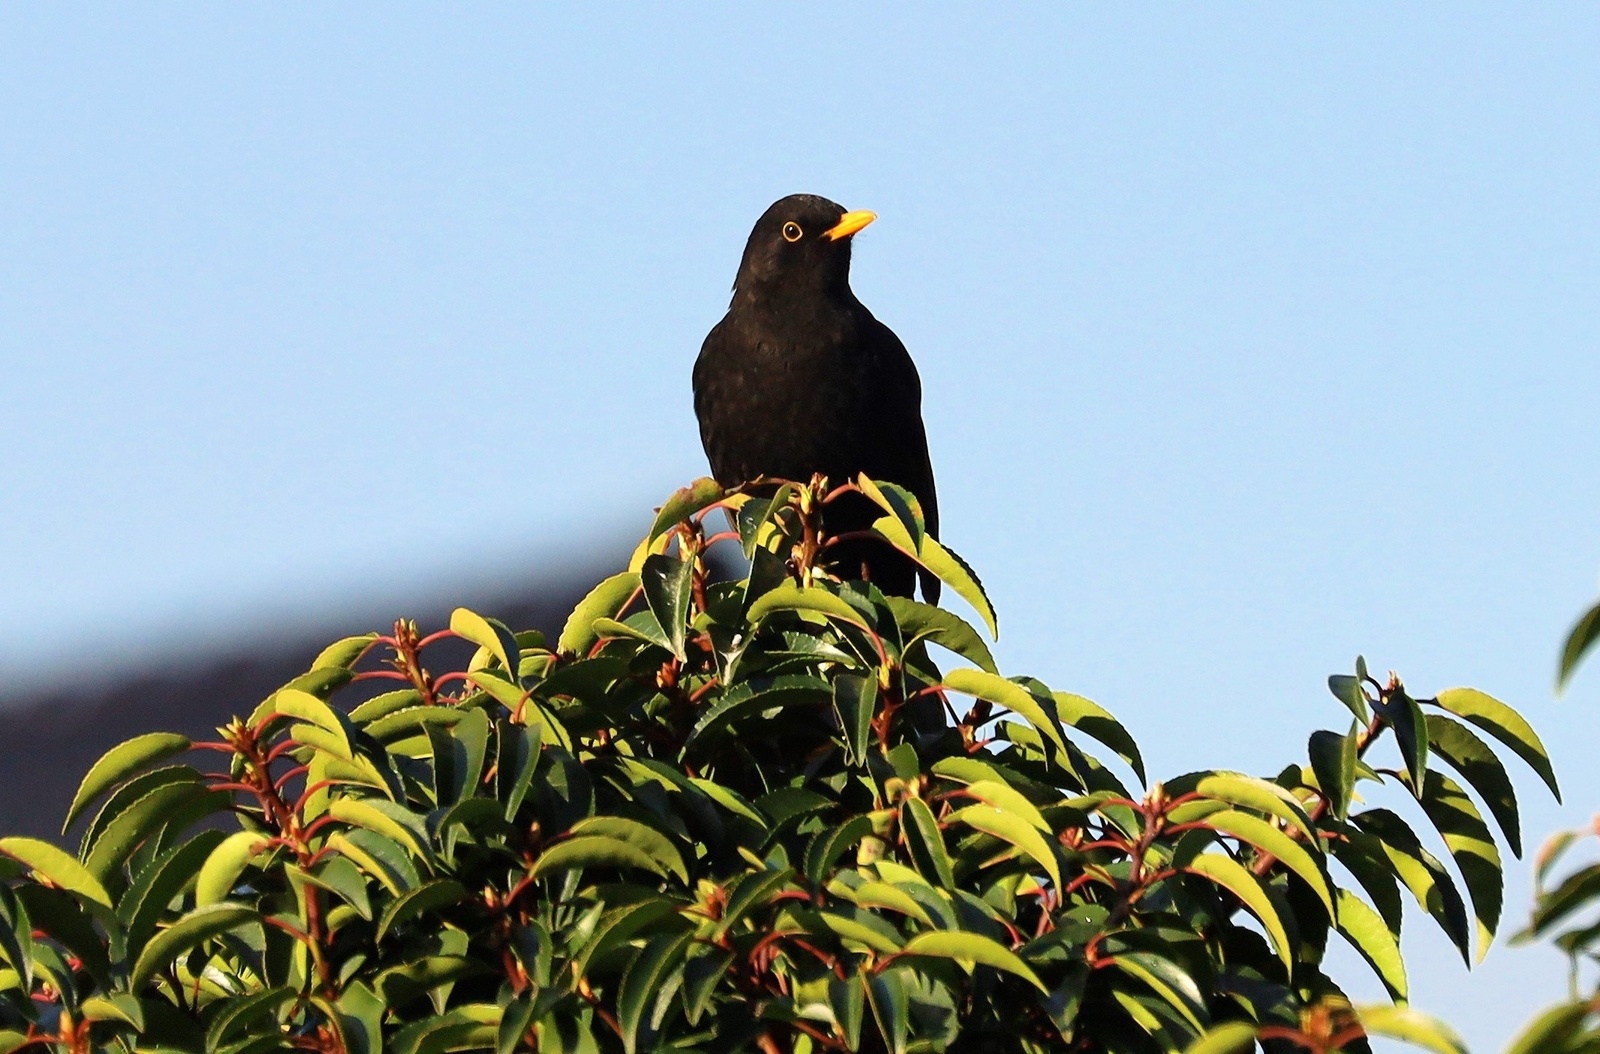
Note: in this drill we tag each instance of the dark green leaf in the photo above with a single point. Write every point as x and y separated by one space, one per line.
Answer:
605 600
1584 633
668 588
1505 724
644 981
122 762
1479 766
1333 759
1402 714
854 701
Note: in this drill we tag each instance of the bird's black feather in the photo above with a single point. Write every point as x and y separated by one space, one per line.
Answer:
800 378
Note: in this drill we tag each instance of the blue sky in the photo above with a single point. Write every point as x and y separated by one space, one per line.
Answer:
1250 338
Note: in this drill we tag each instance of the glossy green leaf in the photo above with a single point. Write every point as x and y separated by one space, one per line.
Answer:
972 948
647 839
1333 760
1270 840
1227 873
926 622
752 891
854 701
146 900
830 843
132 814
1095 721
1015 830
1422 874
342 654
490 635
668 590
756 697
122 762
48 862
239 1015
1172 984
899 503
925 843
945 565
1370 935
605 600
644 981
1411 1026
1012 696
788 596
222 868
594 851
1402 714
684 503
1251 792
426 898
1471 845
199 925
1463 751
117 1006
1348 690
1503 723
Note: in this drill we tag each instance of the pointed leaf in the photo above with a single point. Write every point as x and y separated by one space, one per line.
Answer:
1016 831
1370 935
1584 633
490 635
221 871
121 762
644 980
1270 840
1096 721
1013 697
926 622
684 503
1412 1026
1423 875
945 565
926 843
1230 875
1463 751
1505 724
53 864
1402 714
1472 846
605 600
855 699
668 588
1333 760
198 925
972 947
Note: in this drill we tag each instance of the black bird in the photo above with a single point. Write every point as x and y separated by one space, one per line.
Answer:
799 378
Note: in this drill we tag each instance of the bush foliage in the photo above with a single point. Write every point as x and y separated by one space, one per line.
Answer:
778 813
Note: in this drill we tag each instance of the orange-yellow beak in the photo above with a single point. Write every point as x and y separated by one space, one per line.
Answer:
848 224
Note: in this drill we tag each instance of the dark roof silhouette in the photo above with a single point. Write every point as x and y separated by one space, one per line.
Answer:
49 736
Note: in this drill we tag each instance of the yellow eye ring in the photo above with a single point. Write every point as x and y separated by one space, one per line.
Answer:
792 232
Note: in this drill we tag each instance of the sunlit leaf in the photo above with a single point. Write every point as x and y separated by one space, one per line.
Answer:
1505 724
1412 1026
122 762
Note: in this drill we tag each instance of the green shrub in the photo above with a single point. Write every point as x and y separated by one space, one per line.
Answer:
741 815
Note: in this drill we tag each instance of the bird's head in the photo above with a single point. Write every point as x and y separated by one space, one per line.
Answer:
801 243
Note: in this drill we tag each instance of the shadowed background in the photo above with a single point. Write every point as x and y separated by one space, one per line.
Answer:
1249 340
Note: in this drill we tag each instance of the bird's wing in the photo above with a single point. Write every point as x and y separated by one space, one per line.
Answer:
899 452
898 448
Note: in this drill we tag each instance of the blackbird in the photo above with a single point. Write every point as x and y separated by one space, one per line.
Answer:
799 378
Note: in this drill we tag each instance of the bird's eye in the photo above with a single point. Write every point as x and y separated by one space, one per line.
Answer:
792 231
